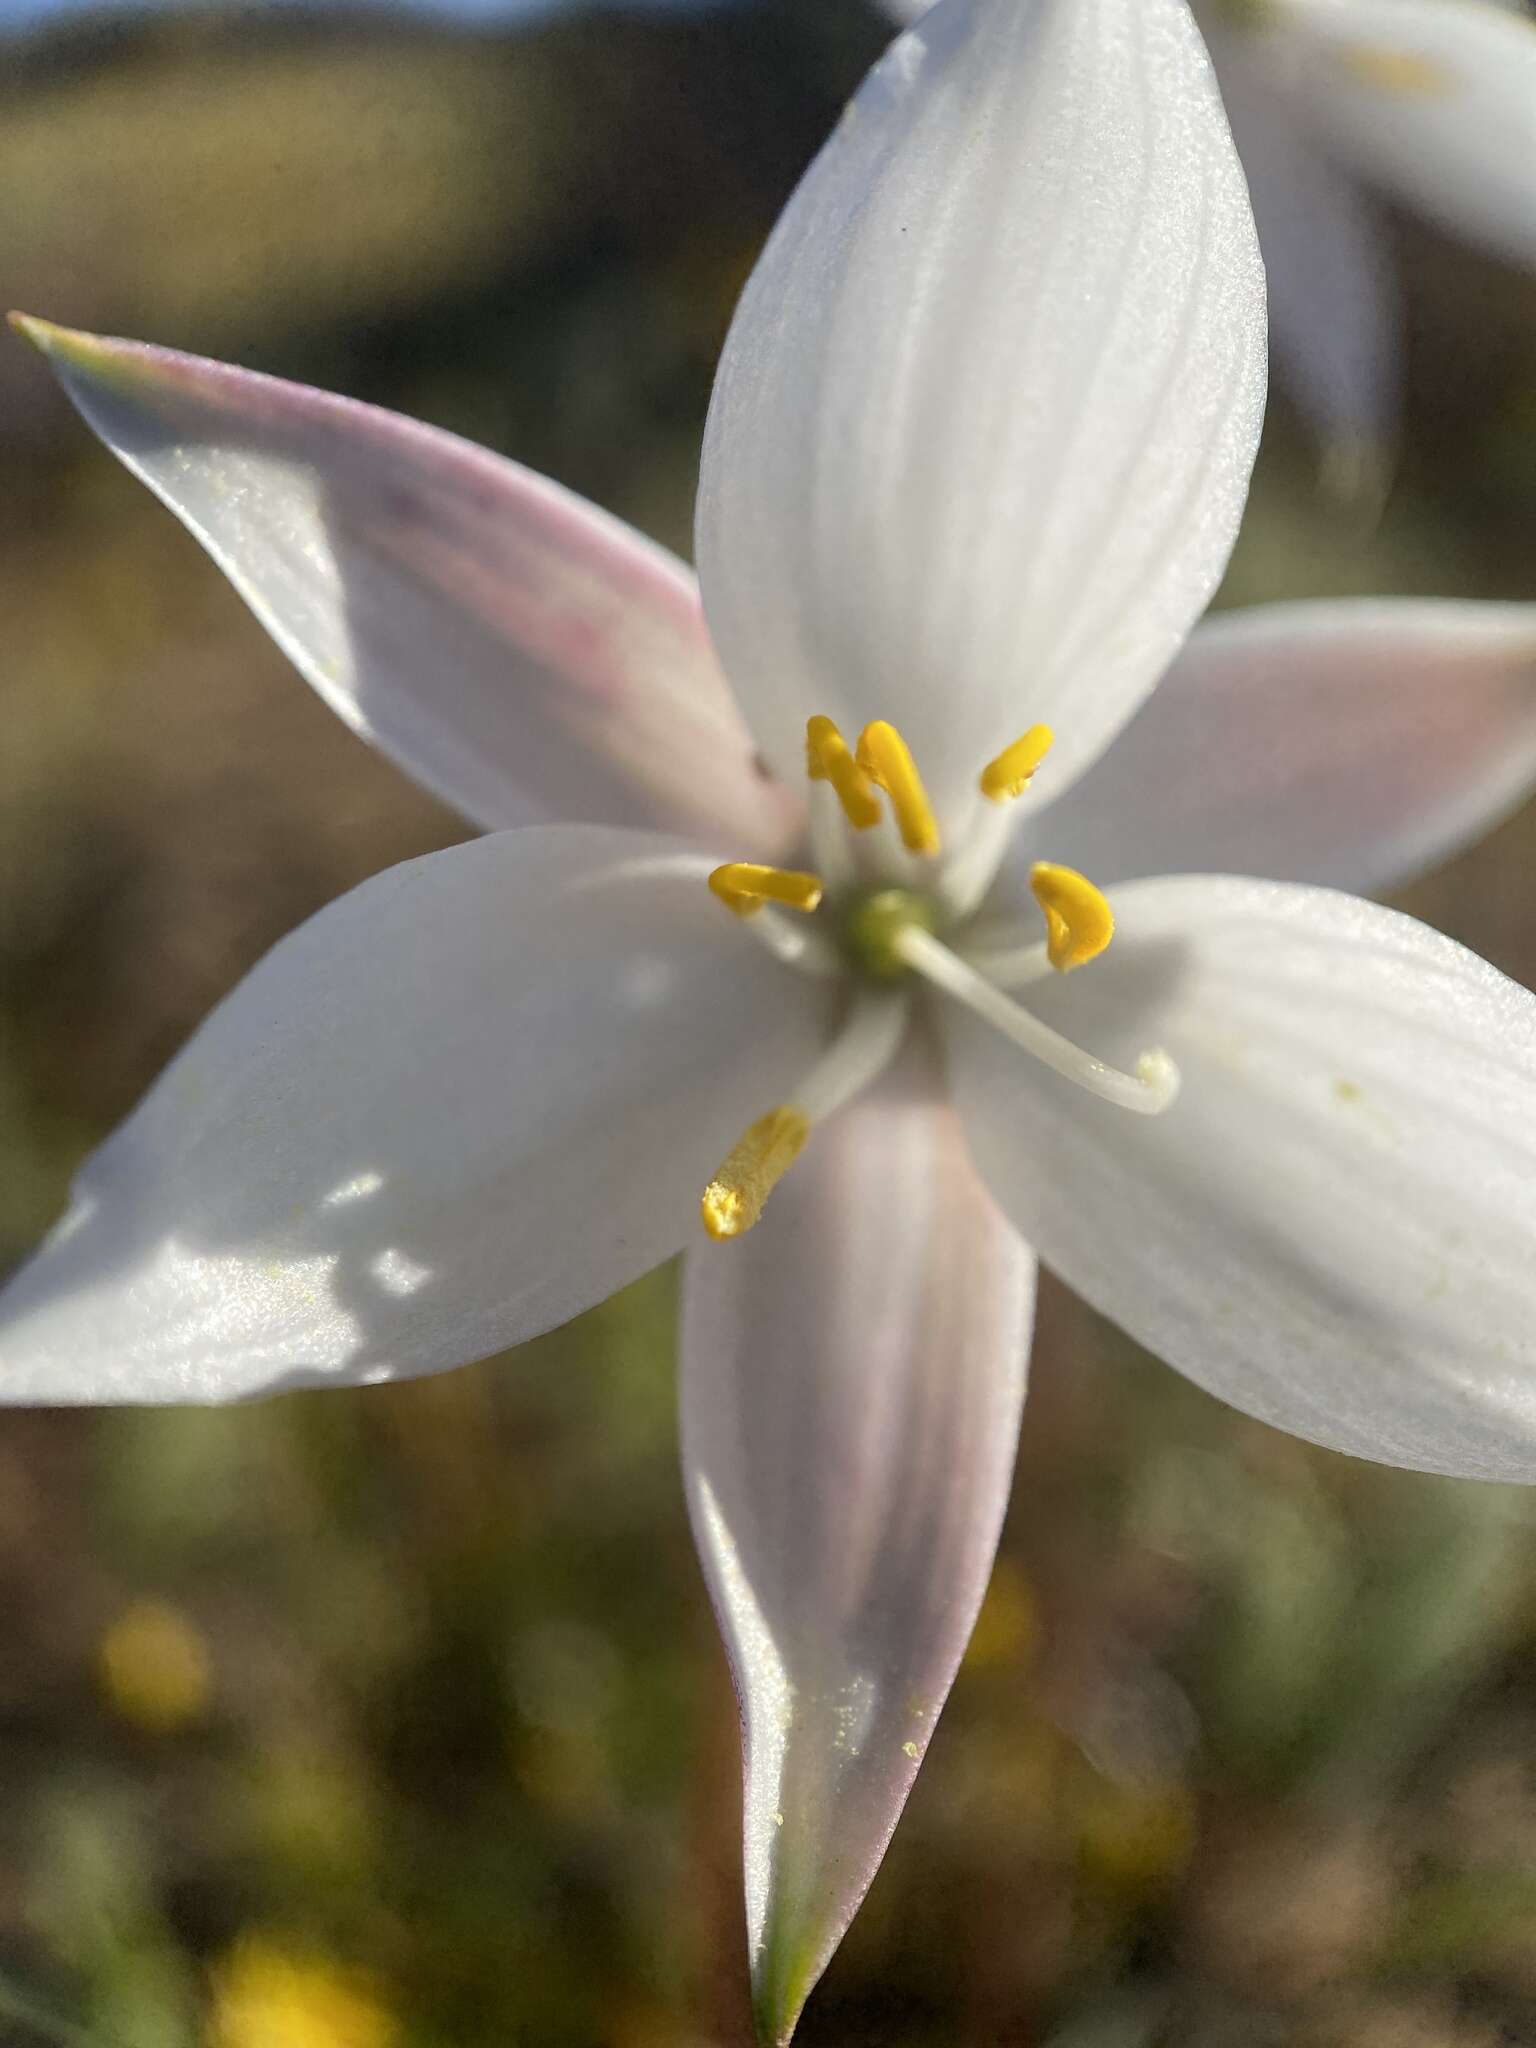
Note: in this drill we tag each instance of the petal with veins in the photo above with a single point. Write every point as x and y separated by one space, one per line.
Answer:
1334 1227
1433 100
1353 743
983 425
852 1378
1335 324
515 649
455 1108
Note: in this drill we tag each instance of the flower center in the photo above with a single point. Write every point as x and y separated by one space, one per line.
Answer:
873 928
889 934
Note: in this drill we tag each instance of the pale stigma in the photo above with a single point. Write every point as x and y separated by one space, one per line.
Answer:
828 759
745 887
1011 773
887 760
1079 923
758 1160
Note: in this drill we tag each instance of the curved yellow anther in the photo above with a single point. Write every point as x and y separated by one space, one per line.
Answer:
887 760
1011 773
1079 923
828 759
734 1199
745 887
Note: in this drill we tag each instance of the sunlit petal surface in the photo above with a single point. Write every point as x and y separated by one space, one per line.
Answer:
1354 743
466 1101
1334 1227
852 1378
515 649
1434 100
983 425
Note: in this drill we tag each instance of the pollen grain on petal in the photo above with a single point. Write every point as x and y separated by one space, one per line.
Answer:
1012 771
1079 923
828 758
887 760
760 1158
744 886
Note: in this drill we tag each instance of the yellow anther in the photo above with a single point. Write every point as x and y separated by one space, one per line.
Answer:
1013 770
734 1199
745 887
1079 923
887 760
828 759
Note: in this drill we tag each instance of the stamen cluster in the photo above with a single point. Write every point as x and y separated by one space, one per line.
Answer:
887 932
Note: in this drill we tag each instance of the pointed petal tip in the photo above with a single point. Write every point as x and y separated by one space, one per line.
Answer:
766 2032
39 332
845 1617
778 2000
47 335
70 346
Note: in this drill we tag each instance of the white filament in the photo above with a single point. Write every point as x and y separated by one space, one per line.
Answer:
1012 966
865 1046
979 855
882 858
1148 1091
794 942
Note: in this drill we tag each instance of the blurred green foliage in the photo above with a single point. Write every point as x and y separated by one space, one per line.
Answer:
395 1719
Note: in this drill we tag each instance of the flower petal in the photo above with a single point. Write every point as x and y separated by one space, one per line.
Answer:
852 1378
515 649
1335 324
1433 100
982 430
452 1110
1334 1226
1353 743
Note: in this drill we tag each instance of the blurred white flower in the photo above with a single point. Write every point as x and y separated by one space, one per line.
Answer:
979 445
1336 105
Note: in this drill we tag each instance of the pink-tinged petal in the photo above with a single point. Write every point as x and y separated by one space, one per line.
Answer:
1433 100
458 1106
518 651
1335 321
982 430
1354 743
853 1372
1334 1226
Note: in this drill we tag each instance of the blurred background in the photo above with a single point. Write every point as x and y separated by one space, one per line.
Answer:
395 1719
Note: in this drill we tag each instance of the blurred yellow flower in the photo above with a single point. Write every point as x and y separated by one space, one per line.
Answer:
1008 1626
265 1997
154 1668
1135 1838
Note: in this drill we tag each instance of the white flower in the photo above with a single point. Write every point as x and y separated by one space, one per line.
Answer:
979 445
1427 103
1336 105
